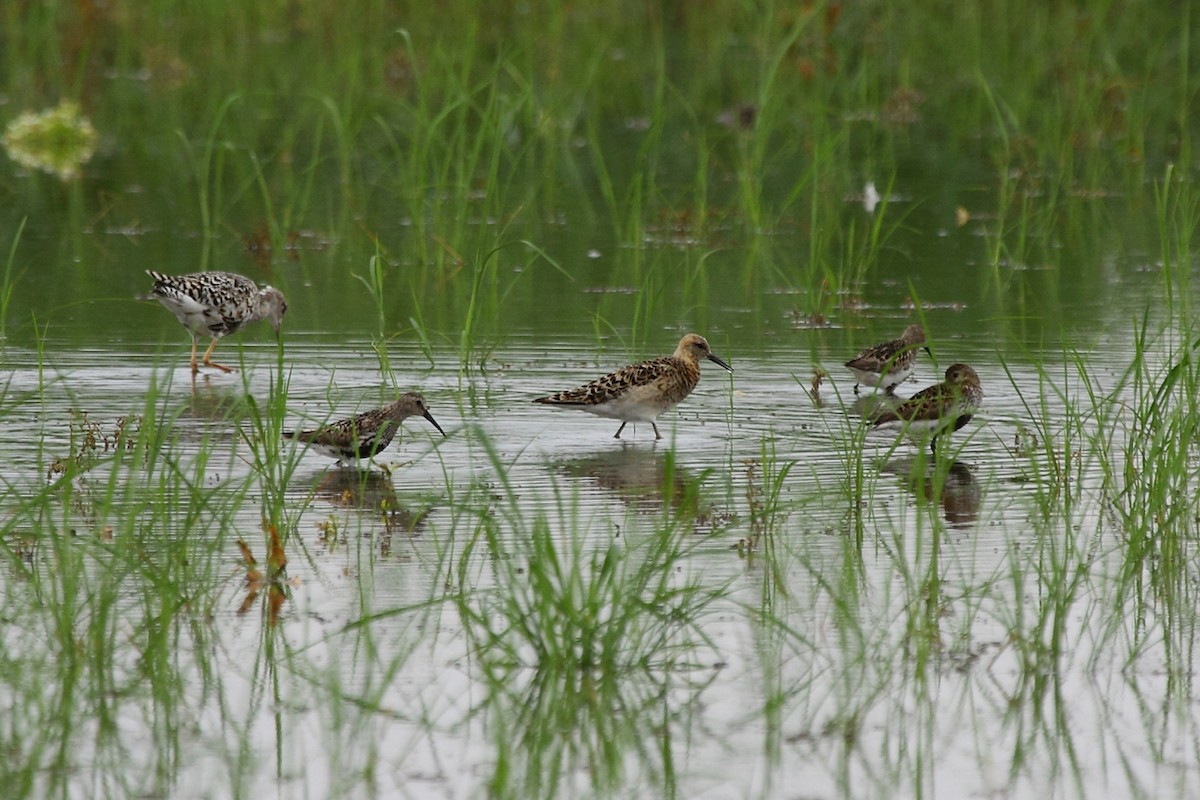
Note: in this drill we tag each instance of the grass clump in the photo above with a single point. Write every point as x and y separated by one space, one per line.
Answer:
584 643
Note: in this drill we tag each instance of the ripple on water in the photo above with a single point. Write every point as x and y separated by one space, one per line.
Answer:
838 526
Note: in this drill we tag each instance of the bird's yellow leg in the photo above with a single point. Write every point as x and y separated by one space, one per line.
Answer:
208 362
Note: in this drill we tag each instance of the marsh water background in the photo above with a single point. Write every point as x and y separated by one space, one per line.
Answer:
806 608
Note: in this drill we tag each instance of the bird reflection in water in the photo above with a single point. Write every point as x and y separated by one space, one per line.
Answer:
960 496
371 491
960 492
215 406
869 406
647 481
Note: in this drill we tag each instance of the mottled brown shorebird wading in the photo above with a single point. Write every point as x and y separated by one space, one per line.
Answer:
216 304
939 409
640 392
368 433
888 364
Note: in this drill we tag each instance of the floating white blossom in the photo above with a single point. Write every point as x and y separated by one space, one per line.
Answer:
58 140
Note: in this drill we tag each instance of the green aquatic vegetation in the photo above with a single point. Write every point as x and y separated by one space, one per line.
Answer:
587 634
1155 505
766 478
698 166
121 566
846 243
207 169
458 146
618 733
855 478
422 334
769 512
273 462
1042 590
374 282
291 188
1177 214
483 299
757 153
8 284
1150 435
606 608
489 297
434 143
1053 445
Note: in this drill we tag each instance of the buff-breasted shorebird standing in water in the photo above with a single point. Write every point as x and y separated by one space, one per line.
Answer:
939 409
888 364
365 435
216 304
640 392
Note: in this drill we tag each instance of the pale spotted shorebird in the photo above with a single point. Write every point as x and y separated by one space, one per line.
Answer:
939 409
216 304
640 392
368 433
888 364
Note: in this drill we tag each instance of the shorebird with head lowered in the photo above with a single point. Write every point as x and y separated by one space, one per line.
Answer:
640 392
366 434
216 304
939 409
888 364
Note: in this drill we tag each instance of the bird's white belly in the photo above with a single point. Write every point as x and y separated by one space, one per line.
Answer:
875 379
919 430
197 323
190 313
633 406
325 450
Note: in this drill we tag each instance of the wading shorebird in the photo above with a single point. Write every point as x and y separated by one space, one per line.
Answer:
939 409
368 433
890 363
640 392
216 304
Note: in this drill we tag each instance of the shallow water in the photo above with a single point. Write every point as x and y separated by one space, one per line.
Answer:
323 701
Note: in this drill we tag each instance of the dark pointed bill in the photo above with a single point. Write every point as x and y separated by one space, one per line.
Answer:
713 357
433 422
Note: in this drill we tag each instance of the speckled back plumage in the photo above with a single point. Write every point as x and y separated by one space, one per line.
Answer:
947 406
889 363
217 303
640 392
368 433
668 378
